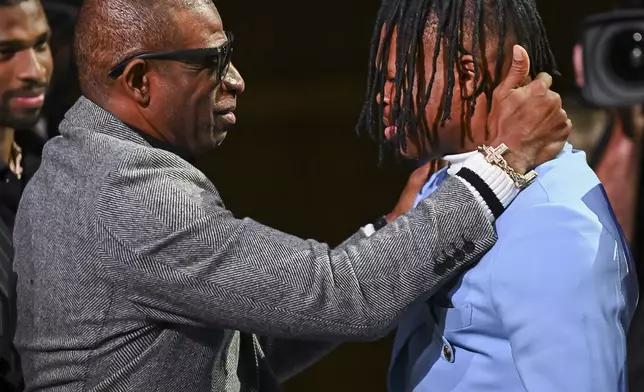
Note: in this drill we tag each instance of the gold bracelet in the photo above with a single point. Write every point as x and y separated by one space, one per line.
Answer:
494 156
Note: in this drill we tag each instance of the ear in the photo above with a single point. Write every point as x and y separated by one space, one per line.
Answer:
578 64
136 81
467 76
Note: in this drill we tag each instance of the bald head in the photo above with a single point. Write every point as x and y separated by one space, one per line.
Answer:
160 66
109 31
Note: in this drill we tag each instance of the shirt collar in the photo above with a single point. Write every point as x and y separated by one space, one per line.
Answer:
456 161
160 144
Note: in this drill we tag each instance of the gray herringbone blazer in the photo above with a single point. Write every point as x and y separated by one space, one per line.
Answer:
132 275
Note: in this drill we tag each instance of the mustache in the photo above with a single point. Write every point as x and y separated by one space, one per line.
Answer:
32 88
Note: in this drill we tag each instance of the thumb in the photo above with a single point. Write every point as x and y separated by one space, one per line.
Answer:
519 70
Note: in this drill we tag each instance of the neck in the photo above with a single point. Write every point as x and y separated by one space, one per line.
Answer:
6 143
122 109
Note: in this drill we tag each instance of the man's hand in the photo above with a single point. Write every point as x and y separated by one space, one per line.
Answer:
408 196
528 118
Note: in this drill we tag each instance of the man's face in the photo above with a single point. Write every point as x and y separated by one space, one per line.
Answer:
195 108
25 63
458 134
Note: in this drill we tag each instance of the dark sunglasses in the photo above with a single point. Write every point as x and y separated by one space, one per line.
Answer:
217 58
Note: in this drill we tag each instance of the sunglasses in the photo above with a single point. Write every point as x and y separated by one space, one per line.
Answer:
216 58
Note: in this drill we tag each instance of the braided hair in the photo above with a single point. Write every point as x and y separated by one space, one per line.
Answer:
481 21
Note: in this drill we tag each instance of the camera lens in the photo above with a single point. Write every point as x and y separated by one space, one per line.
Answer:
626 55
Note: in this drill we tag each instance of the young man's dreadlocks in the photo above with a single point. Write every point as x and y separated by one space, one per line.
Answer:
479 20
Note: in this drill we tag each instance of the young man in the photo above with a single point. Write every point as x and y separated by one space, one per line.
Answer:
547 309
25 71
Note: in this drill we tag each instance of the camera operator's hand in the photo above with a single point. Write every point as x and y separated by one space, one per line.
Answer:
528 118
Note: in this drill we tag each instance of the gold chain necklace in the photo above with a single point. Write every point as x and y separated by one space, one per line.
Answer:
15 160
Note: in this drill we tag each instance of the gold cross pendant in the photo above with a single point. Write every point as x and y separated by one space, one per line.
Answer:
494 156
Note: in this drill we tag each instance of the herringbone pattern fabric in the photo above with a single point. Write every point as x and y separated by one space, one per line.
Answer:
132 275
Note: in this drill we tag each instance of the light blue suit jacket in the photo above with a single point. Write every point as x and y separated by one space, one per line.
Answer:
546 310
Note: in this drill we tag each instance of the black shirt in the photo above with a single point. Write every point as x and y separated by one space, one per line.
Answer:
162 145
11 187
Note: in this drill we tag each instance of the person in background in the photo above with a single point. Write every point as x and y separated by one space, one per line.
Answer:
25 72
64 89
611 137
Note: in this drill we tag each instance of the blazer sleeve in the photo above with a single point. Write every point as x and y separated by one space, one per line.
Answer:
557 291
181 257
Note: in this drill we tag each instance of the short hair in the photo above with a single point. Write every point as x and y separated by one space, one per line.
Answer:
109 31
483 22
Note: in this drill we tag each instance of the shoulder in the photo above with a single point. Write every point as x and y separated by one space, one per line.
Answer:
152 184
566 197
564 220
558 247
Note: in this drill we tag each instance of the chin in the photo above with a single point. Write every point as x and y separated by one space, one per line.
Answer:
412 151
218 138
23 122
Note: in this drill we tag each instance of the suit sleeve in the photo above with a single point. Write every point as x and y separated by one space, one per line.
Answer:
557 292
289 357
183 258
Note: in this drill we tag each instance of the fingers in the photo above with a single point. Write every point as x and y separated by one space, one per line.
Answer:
545 79
560 128
541 84
519 70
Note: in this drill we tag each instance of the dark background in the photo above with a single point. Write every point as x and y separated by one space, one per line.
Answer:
294 161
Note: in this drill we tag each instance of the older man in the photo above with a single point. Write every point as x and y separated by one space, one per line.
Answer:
135 277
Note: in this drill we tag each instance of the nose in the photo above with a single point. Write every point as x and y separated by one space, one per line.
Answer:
387 100
233 81
387 89
30 68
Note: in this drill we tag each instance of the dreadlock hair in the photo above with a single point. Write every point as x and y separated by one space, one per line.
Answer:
481 21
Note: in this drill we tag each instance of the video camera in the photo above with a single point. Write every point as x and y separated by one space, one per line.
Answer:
613 58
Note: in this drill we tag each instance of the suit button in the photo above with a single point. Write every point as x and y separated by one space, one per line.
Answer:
448 353
439 267
468 246
459 255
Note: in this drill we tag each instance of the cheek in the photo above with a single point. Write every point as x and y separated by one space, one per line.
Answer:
6 85
435 98
5 79
434 104
47 62
202 94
